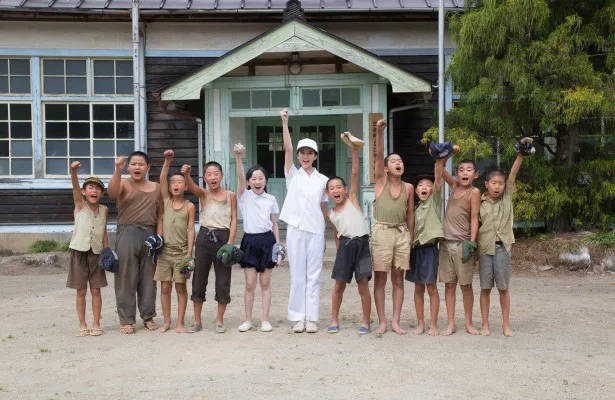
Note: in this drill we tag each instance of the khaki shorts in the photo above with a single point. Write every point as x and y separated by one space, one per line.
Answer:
167 265
84 269
452 270
390 247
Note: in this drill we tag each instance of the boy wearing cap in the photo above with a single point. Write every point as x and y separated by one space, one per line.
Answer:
304 211
87 243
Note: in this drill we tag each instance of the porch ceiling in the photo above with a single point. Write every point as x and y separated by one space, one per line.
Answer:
294 35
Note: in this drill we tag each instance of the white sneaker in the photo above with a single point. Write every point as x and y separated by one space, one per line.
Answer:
246 326
266 327
299 327
311 327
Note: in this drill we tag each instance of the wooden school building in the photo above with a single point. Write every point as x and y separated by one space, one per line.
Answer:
94 79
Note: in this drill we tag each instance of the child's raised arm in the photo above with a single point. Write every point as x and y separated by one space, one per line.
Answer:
164 173
192 187
380 174
354 177
474 211
440 170
410 213
77 196
288 143
239 151
114 190
514 170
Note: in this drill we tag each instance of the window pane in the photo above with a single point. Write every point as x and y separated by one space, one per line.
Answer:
104 148
21 148
279 164
309 132
4 84
103 112
4 112
56 130
327 133
79 112
21 166
85 166
54 166
53 85
4 130
20 112
20 84
56 148
103 130
125 131
4 66
55 112
125 147
264 134
124 86
20 67
123 68
103 68
76 85
4 148
311 97
124 112
4 167
104 166
53 67
351 96
280 98
79 148
79 130
264 156
21 130
104 86
330 97
75 67
261 99
326 157
240 99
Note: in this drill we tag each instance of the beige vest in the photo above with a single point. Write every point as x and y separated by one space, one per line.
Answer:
349 222
89 229
216 214
175 223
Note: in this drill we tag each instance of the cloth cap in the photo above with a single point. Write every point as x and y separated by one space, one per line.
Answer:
309 143
95 181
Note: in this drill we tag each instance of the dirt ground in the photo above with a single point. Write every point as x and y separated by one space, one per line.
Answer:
564 347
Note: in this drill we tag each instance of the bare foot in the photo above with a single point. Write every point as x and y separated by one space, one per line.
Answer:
485 331
419 331
381 329
150 325
180 328
395 328
165 327
471 329
508 332
450 330
433 331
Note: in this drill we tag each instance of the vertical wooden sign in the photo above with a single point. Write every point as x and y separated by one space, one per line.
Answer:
373 119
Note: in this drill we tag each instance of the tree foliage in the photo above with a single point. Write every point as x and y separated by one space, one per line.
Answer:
540 68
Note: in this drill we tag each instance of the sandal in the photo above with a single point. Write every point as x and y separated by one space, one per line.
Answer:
82 332
194 328
150 325
96 332
127 329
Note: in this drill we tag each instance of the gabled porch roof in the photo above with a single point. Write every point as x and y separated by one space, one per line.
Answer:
294 35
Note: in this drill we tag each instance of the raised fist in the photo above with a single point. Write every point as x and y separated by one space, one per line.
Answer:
186 169
239 149
381 124
169 154
456 149
75 165
120 162
284 115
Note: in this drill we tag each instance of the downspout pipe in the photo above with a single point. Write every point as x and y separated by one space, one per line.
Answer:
136 74
142 92
390 121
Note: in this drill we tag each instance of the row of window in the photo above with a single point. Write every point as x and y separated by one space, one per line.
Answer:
92 133
263 99
68 77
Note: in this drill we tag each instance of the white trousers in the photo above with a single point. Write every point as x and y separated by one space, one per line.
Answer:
305 255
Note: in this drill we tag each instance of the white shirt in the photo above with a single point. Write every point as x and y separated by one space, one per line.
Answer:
303 198
256 211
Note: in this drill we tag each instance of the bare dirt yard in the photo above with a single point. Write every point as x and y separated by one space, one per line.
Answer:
564 347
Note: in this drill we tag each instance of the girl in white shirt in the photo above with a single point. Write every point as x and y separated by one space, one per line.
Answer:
261 233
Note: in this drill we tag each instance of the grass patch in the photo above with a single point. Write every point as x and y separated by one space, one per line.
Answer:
45 246
44 350
605 241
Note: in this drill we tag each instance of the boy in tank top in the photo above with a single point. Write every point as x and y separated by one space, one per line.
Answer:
218 220
460 229
139 216
393 231
87 243
178 230
352 242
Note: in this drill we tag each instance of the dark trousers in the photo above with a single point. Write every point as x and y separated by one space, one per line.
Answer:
208 242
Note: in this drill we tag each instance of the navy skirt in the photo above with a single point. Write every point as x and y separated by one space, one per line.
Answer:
257 249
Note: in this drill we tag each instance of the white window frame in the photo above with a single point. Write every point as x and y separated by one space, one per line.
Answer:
9 75
65 76
10 139
115 76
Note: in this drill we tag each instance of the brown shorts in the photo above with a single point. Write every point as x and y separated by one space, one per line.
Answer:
167 265
84 269
390 247
452 270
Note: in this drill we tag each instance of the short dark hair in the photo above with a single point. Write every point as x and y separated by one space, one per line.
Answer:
421 177
177 174
336 178
212 164
386 159
255 168
466 161
139 154
494 173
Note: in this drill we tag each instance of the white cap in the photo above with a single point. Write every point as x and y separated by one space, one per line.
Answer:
309 143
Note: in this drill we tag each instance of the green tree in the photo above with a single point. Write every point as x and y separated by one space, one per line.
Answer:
541 68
